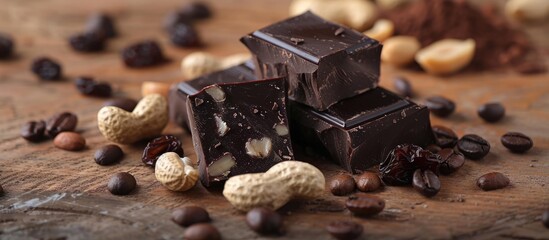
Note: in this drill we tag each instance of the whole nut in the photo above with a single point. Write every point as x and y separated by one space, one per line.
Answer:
199 63
276 187
527 10
357 14
382 30
148 119
175 173
161 88
446 56
69 141
400 50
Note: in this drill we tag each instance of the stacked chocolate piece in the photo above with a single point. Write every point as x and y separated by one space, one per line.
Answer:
329 74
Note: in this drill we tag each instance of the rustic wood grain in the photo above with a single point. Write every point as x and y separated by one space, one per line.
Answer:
54 194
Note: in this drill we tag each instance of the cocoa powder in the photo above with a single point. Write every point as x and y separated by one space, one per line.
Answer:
498 45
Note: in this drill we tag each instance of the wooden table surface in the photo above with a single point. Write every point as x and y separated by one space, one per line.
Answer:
54 194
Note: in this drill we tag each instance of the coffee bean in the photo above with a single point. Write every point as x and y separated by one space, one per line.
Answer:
33 131
433 148
102 25
440 106
345 230
184 35
264 221
517 142
121 183
451 160
492 181
88 86
365 205
445 137
6 46
87 42
69 141
187 216
196 10
403 87
108 154
426 182
202 231
61 122
491 112
127 104
342 184
46 69
368 182
142 54
545 218
473 146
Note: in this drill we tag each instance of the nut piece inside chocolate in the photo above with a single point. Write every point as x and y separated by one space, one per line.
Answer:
222 166
222 127
217 94
259 148
281 130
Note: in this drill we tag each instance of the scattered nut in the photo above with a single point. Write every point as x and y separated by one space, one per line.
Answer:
259 148
357 14
400 50
391 4
222 127
69 141
382 30
161 88
215 91
276 187
148 119
446 56
527 10
175 173
222 166
281 130
200 63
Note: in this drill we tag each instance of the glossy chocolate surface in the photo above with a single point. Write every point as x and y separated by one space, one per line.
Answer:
239 128
323 61
359 132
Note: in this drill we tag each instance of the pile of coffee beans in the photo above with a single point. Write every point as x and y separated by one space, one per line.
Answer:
36 131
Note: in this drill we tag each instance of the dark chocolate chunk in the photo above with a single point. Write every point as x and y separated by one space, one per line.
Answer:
239 128
322 66
178 95
359 132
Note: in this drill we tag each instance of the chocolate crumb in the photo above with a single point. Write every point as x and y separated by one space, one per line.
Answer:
297 41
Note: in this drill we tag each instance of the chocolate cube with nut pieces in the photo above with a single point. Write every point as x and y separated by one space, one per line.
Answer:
239 128
324 62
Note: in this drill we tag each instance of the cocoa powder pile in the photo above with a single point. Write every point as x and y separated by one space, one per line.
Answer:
498 45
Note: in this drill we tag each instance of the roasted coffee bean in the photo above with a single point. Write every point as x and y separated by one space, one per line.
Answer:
400 164
184 35
426 182
143 54
88 86
69 141
6 46
159 146
187 216
87 42
440 106
121 183
33 131
451 160
108 154
544 218
46 69
491 112
127 104
342 184
365 205
433 148
403 87
202 231
445 137
368 182
473 146
196 11
61 122
517 142
102 25
492 181
345 230
264 221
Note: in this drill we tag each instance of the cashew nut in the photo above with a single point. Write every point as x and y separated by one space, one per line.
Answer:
274 188
381 30
148 119
357 14
175 173
446 56
199 63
